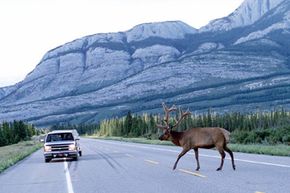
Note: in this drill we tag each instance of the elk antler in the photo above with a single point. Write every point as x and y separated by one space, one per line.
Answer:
166 116
167 111
183 114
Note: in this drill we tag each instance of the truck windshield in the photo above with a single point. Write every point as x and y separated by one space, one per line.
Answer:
59 137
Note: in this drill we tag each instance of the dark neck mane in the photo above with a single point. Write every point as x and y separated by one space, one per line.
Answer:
176 137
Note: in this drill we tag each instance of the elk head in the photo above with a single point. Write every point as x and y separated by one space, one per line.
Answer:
166 134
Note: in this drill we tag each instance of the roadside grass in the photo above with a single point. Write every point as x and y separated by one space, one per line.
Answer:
11 154
277 150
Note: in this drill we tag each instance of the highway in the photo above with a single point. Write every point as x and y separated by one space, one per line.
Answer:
121 167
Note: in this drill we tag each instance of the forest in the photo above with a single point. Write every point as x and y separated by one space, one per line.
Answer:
16 131
246 128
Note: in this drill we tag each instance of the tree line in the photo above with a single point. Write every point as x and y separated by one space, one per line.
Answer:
13 132
258 127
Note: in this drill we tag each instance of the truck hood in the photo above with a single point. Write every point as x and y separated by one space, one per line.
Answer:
60 143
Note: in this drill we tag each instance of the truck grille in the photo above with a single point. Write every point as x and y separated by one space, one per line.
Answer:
59 148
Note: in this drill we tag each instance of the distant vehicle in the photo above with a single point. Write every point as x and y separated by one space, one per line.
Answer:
62 144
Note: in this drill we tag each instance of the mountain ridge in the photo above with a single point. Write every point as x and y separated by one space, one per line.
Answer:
249 12
105 75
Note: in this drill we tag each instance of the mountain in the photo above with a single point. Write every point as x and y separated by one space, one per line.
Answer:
248 13
4 91
95 62
166 30
279 23
238 66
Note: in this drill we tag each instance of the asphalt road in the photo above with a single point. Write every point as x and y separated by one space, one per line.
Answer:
120 167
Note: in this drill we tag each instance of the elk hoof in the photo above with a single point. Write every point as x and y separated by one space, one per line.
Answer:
174 167
234 167
197 169
219 169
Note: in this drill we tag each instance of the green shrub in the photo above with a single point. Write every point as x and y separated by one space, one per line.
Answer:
265 136
247 128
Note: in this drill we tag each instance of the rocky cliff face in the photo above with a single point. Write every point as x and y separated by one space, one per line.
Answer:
249 12
240 67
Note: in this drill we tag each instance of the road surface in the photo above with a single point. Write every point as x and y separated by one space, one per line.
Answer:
121 167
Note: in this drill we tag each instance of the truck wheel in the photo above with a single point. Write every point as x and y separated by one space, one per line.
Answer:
75 158
47 160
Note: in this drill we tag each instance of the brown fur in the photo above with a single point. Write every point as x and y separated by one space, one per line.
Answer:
207 137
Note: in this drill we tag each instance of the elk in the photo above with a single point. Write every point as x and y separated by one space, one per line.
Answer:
194 138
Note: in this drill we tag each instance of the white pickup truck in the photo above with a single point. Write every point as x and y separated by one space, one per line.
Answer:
62 143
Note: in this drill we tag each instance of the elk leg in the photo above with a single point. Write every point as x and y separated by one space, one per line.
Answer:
196 157
232 156
184 151
223 155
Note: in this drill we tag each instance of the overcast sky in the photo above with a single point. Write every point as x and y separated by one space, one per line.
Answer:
29 28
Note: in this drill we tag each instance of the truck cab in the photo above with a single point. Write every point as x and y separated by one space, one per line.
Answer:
62 144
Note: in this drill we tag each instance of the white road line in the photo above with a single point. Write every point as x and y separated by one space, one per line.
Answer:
151 161
263 163
68 179
249 161
192 173
203 155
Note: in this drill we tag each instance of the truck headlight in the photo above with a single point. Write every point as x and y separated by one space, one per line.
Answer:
72 147
47 148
